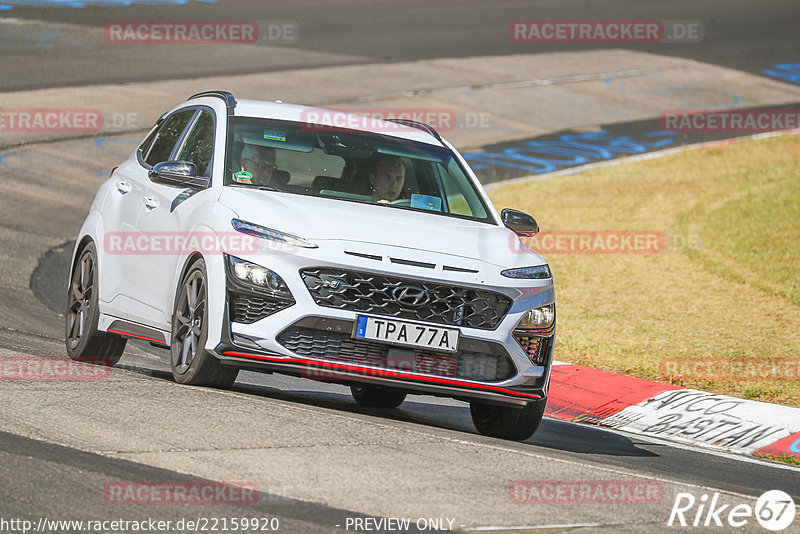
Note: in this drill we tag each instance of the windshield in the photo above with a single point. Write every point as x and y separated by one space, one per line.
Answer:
347 165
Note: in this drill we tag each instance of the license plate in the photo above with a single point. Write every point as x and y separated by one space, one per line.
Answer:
406 333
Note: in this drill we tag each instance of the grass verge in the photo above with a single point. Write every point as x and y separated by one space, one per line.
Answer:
718 307
785 458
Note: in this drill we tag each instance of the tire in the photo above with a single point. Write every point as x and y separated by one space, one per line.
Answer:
377 397
506 422
191 363
83 340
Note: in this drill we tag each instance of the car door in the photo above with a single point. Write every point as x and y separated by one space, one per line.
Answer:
120 213
164 143
167 211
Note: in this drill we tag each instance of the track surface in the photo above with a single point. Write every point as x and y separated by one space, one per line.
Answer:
742 34
316 457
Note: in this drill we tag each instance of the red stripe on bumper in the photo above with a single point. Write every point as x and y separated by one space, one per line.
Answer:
381 372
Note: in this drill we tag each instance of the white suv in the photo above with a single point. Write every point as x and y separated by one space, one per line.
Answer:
281 238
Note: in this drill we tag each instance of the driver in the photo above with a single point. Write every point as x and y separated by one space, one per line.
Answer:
388 179
259 161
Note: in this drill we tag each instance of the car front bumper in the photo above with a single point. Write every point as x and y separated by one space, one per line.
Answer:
513 378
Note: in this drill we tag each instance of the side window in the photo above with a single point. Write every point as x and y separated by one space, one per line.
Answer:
199 145
147 143
461 198
167 136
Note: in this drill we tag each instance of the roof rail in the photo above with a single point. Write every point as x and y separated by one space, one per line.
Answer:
418 125
230 102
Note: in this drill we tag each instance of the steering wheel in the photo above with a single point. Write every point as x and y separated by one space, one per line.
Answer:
403 202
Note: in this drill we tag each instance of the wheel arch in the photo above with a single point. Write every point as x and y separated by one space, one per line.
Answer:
92 231
79 246
191 258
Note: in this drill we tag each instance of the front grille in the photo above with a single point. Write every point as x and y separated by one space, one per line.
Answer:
375 293
338 346
249 308
534 346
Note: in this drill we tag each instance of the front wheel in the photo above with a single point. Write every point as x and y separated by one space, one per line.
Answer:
377 397
84 341
507 422
191 363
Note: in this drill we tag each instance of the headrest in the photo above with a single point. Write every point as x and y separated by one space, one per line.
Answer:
280 177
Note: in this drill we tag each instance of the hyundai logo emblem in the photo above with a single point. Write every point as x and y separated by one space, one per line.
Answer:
333 284
411 296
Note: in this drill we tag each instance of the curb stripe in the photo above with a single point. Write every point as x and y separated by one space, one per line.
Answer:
585 395
590 395
789 446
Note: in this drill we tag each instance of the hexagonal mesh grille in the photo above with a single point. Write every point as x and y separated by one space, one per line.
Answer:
534 346
338 346
375 293
251 308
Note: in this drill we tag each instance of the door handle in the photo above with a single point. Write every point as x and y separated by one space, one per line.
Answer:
123 186
150 202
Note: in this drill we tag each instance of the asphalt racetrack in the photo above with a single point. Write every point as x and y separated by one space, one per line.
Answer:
320 462
740 34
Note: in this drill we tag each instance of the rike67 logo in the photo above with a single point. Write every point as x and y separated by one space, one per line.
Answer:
774 511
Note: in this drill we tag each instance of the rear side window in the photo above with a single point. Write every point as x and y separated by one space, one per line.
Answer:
144 148
167 136
199 145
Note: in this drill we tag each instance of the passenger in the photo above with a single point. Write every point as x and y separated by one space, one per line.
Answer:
388 179
259 161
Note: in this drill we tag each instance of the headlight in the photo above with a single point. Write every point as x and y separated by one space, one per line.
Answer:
258 276
272 235
538 272
540 317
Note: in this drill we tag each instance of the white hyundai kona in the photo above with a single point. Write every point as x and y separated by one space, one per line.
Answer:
320 244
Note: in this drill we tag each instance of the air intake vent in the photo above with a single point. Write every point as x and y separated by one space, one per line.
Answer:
337 346
534 346
413 263
362 255
248 308
458 269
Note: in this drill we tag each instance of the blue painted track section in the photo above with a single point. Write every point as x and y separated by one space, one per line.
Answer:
6 5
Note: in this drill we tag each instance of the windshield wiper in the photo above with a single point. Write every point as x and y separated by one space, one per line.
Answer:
268 188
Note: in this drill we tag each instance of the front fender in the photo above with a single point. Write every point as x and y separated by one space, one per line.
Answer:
215 277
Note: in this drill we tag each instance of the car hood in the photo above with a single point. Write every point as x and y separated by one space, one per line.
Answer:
319 219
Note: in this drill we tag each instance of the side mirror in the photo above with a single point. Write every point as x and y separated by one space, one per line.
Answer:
519 222
177 173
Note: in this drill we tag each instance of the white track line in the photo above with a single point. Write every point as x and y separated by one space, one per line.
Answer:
510 85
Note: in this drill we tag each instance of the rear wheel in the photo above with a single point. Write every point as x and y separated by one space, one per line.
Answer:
377 397
191 363
507 422
84 341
